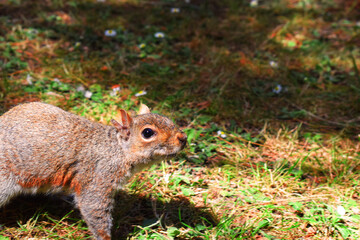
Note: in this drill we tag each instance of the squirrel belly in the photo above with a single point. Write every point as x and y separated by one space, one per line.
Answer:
46 149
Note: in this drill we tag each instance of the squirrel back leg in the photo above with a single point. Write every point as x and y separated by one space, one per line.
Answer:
96 210
8 187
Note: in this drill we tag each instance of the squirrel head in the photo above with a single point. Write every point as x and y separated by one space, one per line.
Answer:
148 135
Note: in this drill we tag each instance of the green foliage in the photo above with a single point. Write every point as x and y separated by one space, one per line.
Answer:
10 57
236 77
173 232
203 142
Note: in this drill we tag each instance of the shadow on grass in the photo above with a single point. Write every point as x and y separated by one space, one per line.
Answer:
130 211
204 58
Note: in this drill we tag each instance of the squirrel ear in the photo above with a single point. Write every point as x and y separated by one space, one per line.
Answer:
143 109
125 119
124 126
117 125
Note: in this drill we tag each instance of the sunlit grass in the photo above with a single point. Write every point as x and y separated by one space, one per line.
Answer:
268 94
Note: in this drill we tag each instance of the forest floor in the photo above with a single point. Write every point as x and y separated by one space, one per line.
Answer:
268 93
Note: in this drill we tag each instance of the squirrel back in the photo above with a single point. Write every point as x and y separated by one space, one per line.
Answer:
44 145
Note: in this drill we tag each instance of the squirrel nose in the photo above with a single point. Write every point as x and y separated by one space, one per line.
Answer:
182 138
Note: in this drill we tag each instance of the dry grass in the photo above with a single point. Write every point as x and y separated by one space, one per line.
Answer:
289 163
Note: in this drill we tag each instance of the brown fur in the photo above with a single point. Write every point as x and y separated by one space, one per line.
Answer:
44 149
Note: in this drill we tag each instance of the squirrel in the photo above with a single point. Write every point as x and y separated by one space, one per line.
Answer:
44 149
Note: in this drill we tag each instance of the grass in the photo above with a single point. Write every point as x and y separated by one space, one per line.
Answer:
268 96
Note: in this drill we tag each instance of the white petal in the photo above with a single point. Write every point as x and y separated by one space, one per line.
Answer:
29 79
88 94
277 89
340 210
175 10
159 35
166 178
141 93
117 89
273 64
254 3
80 88
110 33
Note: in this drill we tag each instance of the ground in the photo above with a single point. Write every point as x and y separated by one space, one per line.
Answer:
268 93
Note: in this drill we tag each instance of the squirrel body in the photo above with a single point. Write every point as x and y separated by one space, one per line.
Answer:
46 149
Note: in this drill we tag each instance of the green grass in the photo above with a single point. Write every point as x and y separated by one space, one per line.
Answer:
268 96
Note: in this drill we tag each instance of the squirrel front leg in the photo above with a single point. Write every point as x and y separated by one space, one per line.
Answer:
96 208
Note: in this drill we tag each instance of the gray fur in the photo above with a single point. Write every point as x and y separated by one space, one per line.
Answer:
46 149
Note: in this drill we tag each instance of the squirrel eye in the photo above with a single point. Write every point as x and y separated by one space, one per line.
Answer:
147 133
